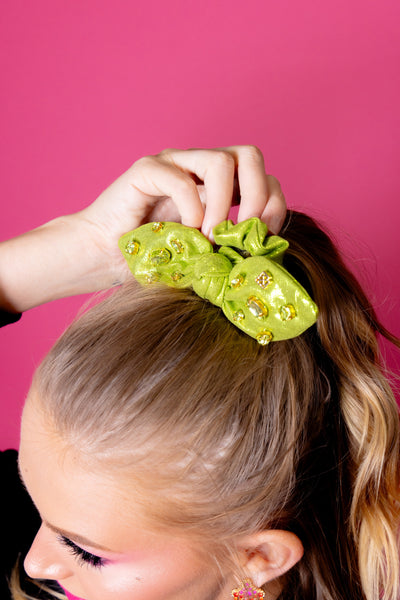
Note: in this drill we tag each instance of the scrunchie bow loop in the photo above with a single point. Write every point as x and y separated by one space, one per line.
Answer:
245 277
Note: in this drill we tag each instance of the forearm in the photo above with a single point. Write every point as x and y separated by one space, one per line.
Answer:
50 262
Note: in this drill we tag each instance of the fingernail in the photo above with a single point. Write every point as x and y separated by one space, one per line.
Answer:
206 230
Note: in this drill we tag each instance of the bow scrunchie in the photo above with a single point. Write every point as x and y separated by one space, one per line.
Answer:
244 277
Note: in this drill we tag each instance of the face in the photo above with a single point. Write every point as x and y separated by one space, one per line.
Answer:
93 539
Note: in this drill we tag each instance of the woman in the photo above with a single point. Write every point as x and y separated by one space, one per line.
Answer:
175 454
64 257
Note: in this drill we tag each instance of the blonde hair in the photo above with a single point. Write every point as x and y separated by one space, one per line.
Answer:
301 435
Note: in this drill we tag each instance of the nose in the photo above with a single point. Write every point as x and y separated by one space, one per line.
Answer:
45 559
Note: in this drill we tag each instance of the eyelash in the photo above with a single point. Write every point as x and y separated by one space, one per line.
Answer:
82 555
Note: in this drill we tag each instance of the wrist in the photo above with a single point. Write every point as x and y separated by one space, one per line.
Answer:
66 256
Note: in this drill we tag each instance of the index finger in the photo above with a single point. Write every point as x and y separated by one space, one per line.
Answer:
155 178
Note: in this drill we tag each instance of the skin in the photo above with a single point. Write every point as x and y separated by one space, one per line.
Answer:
86 510
78 503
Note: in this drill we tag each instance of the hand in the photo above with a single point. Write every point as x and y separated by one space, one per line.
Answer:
196 187
79 253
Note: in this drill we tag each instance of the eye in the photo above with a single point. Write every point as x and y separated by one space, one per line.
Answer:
82 555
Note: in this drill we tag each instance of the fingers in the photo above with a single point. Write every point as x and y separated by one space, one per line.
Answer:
274 212
196 187
216 168
202 184
229 172
252 181
261 194
156 178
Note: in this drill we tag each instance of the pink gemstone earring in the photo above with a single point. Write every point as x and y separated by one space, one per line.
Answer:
248 591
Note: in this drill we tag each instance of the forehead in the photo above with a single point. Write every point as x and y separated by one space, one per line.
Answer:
71 494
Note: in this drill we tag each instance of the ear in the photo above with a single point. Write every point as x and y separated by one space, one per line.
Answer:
269 554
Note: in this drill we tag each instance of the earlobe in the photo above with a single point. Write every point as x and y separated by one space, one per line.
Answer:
269 554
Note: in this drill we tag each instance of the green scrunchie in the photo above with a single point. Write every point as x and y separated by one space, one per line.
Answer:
244 277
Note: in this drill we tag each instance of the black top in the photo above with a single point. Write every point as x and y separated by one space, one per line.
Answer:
6 317
19 518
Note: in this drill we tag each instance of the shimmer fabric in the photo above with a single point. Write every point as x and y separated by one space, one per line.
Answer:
243 274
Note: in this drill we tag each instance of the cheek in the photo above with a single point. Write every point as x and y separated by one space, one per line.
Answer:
69 595
154 578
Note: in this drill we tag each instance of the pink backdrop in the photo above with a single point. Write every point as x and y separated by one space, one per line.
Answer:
90 86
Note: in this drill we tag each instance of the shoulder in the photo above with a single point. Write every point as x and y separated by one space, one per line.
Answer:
19 519
6 317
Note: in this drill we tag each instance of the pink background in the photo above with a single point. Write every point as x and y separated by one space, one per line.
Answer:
90 86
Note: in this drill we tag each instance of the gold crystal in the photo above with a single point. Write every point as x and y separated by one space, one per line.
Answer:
157 226
151 277
248 591
257 307
177 246
287 312
176 276
237 281
161 256
264 279
132 247
238 315
264 337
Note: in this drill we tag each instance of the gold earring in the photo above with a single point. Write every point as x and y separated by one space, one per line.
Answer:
248 591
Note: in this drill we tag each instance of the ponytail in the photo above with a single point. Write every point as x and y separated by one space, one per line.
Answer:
302 435
347 330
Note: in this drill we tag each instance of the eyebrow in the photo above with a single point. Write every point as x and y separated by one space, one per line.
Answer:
74 537
78 539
